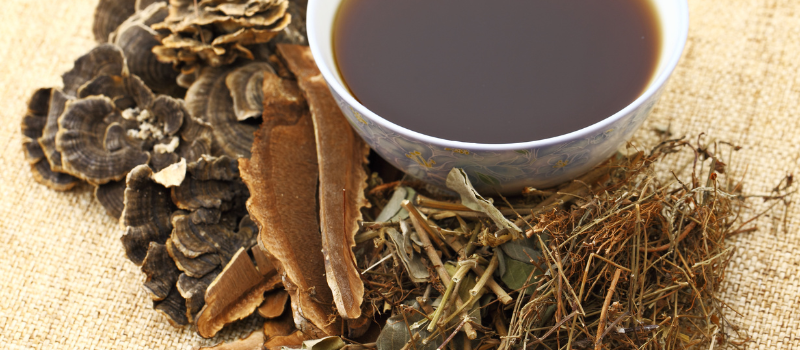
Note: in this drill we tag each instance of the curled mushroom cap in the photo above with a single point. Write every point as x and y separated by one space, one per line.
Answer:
108 15
105 59
216 33
111 196
146 216
32 127
211 100
137 39
93 149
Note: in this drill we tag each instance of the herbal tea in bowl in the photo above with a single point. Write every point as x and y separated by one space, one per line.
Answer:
517 93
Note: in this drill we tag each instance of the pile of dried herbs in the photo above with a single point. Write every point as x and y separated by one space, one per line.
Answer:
625 256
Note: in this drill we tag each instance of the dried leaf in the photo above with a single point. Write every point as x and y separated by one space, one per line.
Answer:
341 155
458 181
393 211
417 270
516 274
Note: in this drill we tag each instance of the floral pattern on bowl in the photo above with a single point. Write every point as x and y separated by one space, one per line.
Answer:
505 171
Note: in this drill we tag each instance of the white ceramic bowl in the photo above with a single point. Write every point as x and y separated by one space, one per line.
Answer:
506 168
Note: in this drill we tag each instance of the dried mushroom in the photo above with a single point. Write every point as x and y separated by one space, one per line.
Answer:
33 125
174 308
108 15
212 99
136 39
93 149
216 33
341 155
185 235
282 178
235 293
295 32
160 270
194 291
111 196
146 216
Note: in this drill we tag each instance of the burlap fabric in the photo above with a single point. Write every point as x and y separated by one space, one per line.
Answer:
65 283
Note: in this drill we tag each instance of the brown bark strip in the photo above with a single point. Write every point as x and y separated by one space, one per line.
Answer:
234 294
341 155
282 178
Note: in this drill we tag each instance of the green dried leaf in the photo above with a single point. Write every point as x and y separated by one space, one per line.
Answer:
522 249
417 270
393 212
458 181
394 335
516 274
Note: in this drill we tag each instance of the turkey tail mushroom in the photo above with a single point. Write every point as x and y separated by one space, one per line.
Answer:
32 127
217 33
137 39
108 15
223 97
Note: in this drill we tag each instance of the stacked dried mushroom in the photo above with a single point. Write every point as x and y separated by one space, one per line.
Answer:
165 166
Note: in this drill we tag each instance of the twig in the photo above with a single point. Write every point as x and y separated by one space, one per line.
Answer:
603 312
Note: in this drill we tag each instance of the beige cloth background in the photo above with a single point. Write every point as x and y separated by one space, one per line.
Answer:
65 284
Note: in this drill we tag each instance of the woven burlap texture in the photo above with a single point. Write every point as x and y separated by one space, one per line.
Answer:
65 283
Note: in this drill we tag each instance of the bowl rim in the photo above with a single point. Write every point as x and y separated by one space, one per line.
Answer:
653 88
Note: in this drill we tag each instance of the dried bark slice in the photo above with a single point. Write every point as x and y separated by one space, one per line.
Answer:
160 270
282 178
280 326
234 294
146 216
254 341
293 340
341 155
32 127
108 15
274 304
111 196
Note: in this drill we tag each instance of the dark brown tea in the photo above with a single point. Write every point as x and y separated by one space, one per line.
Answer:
497 71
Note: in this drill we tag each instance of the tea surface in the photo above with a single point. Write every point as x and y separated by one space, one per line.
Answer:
498 71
